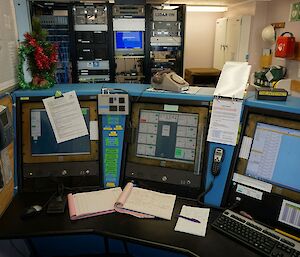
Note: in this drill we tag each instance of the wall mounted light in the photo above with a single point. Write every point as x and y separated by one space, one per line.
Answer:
204 8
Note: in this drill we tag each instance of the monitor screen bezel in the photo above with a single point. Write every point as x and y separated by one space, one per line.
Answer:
270 181
266 209
180 182
175 164
26 137
129 50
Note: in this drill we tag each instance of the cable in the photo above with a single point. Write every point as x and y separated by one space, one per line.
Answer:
206 190
140 95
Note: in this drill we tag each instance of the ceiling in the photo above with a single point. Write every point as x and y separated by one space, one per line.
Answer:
202 2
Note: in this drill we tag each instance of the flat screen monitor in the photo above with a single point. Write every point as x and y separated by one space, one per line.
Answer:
274 156
167 148
266 180
74 162
129 42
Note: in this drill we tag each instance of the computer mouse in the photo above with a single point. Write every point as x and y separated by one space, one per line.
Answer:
31 211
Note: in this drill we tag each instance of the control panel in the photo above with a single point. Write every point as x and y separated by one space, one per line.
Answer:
113 104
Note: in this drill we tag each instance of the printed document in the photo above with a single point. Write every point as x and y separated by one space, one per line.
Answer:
65 116
224 121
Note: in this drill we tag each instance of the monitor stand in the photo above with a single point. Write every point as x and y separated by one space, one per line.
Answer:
58 203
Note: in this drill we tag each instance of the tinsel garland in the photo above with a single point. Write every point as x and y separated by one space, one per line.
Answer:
23 52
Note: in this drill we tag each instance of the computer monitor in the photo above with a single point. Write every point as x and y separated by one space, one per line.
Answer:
45 162
266 180
167 147
129 43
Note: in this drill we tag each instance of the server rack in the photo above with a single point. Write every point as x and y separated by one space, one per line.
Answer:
55 18
166 38
92 55
129 54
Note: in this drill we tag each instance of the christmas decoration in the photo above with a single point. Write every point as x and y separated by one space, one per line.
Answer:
41 57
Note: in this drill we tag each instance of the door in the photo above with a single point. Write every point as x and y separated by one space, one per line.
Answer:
232 38
220 38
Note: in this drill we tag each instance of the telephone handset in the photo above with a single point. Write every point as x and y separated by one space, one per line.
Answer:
170 81
177 79
217 160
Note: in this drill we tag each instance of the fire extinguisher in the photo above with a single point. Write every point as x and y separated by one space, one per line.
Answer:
285 46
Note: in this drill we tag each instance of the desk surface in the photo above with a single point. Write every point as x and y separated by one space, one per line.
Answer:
156 233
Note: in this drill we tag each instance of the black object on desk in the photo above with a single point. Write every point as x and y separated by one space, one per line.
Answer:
57 205
31 211
271 94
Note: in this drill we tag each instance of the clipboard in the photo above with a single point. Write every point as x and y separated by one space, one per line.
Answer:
65 116
227 103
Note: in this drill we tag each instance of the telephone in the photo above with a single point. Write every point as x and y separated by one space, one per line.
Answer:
218 158
168 80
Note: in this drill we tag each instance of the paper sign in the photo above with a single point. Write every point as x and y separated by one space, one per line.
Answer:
249 192
94 135
245 148
252 182
65 116
224 122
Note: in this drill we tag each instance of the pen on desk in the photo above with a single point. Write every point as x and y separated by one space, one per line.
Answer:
190 219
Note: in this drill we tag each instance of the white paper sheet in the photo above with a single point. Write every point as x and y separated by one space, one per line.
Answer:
65 116
245 148
94 134
150 202
233 80
186 226
224 121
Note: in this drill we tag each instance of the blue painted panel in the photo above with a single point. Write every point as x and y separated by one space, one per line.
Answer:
292 104
112 145
214 197
94 89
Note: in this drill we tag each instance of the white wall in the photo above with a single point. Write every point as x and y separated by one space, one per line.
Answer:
279 11
199 39
265 13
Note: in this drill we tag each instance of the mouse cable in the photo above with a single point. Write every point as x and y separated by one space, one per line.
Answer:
49 200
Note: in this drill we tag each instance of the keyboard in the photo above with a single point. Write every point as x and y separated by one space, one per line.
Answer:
265 241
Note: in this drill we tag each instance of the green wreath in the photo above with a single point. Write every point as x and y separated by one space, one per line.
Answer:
23 53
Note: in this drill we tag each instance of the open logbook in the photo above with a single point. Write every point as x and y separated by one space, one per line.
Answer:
139 202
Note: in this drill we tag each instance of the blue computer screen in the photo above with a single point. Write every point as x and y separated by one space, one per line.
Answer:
129 40
43 142
274 156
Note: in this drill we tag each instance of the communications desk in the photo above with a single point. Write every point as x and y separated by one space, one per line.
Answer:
154 233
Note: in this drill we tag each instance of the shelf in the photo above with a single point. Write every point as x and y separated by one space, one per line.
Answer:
129 57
